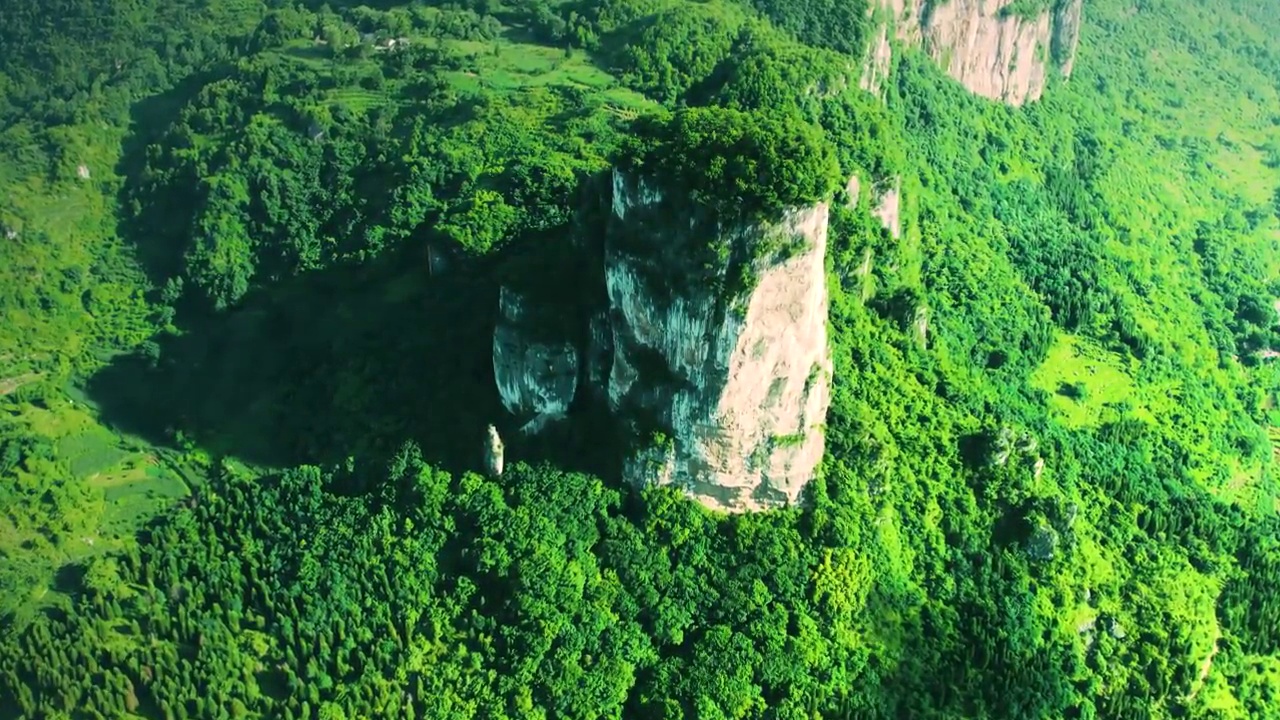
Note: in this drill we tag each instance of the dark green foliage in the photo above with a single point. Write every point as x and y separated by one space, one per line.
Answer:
447 596
743 165
1239 307
58 55
670 51
832 24
265 175
1059 259
1028 9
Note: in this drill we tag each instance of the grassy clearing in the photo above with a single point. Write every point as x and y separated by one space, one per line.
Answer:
500 67
504 66
1089 385
91 501
363 100
309 53
1085 382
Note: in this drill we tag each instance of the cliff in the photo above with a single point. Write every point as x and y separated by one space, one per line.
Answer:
537 363
535 367
999 49
704 337
729 370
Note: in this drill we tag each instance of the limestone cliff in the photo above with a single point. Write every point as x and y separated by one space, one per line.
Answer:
886 202
706 341
732 375
538 333
990 46
536 368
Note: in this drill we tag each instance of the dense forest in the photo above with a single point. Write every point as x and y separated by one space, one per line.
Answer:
249 260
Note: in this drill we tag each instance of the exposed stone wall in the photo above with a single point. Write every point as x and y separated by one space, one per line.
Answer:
993 53
739 385
721 376
537 376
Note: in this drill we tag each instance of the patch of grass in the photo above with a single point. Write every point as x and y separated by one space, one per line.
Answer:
516 65
136 491
464 81
788 441
92 452
309 53
361 100
57 515
1096 378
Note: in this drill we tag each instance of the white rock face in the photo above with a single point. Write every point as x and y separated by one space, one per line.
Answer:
722 376
886 203
537 377
889 209
599 354
879 62
493 453
994 54
743 386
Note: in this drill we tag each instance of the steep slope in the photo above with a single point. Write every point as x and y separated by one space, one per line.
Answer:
535 367
716 366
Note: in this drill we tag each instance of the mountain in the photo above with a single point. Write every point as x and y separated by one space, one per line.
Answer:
639 358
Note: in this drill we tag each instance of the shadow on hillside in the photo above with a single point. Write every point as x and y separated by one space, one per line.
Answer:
156 223
346 362
336 364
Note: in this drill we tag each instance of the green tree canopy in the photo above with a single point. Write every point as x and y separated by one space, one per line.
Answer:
742 164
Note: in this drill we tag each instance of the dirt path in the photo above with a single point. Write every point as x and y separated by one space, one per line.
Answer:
1205 667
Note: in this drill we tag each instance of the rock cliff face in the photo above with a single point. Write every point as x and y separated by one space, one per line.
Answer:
991 49
736 382
886 202
707 343
536 370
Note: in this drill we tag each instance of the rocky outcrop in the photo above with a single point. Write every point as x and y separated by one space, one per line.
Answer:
888 208
706 341
886 203
731 381
995 48
879 61
1067 17
493 453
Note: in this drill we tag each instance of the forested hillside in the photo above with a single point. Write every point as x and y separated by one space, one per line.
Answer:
250 254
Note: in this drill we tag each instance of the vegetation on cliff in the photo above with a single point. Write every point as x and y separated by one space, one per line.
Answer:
248 266
747 166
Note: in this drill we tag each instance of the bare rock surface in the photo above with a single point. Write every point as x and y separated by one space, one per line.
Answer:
738 386
995 53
